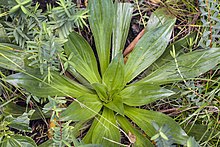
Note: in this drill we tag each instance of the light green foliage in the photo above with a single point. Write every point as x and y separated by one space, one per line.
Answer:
211 23
191 142
162 138
11 58
107 96
120 27
144 54
18 141
44 34
101 19
65 17
21 123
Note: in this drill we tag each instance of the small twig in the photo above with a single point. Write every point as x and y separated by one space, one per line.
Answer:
133 43
139 10
210 23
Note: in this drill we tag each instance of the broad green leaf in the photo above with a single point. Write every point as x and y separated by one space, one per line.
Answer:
59 86
101 22
20 123
11 58
191 65
139 139
191 142
116 105
121 27
149 48
106 132
145 118
82 57
113 77
143 94
78 76
87 107
18 141
101 91
179 45
88 137
10 107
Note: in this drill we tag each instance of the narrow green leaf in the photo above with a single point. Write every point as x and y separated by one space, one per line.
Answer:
149 48
121 27
88 107
116 105
11 58
140 139
143 94
144 118
25 11
113 77
105 133
14 9
191 65
3 36
83 58
18 141
101 22
59 86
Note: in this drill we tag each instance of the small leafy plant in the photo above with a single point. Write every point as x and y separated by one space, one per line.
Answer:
21 123
40 33
105 91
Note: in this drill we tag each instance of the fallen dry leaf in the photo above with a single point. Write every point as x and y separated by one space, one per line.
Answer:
155 1
132 137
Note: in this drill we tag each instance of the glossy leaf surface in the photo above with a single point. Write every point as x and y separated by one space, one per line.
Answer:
149 48
113 77
82 57
191 65
116 105
18 141
104 131
59 86
138 95
121 27
88 137
11 58
88 107
20 123
101 22
101 91
10 108
179 45
144 118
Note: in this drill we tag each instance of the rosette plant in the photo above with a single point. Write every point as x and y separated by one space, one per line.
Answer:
103 88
